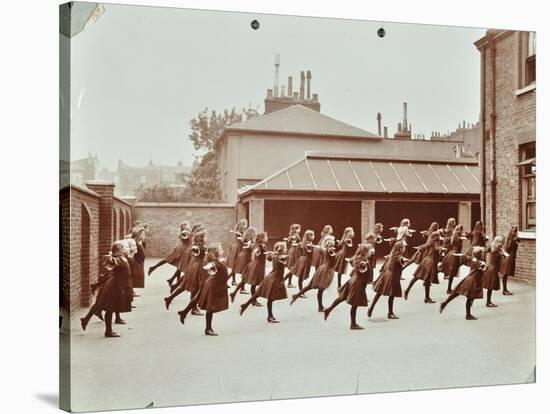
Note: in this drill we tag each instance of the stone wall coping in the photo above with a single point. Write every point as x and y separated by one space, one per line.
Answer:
100 182
120 200
84 190
185 205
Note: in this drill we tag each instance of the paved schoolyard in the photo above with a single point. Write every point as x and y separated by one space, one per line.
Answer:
157 360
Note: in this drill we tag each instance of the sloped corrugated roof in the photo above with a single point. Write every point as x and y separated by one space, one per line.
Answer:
352 173
299 119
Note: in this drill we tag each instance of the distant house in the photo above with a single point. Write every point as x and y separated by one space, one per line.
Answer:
84 169
130 178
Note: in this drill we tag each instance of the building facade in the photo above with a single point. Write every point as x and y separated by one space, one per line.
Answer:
508 157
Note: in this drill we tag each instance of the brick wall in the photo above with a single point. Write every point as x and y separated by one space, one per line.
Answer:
79 254
85 238
164 220
514 117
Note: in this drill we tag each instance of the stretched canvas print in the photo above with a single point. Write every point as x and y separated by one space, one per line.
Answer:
259 207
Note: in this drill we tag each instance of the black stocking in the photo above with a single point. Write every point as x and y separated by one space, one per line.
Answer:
209 316
469 303
450 284
505 283
373 304
427 291
339 279
451 297
353 315
489 295
390 305
413 281
108 322
270 309
300 283
320 297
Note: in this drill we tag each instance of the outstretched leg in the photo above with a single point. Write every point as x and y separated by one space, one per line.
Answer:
391 315
175 276
373 304
177 291
300 293
154 267
240 286
249 302
353 315
336 302
451 297
413 281
86 319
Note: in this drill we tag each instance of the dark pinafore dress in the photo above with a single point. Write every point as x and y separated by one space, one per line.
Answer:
470 286
175 257
451 263
389 284
345 252
213 296
195 275
293 250
116 293
273 286
491 279
354 291
324 274
427 269
234 251
255 271
302 266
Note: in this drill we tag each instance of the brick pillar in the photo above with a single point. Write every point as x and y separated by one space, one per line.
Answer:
256 212
368 217
105 190
465 214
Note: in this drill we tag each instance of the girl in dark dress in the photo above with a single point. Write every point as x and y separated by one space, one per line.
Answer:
138 268
389 284
452 261
317 256
509 265
345 251
255 271
293 241
195 275
420 253
186 256
175 257
427 269
116 293
272 287
476 237
447 232
236 247
323 274
212 294
490 279
470 286
243 259
354 291
302 266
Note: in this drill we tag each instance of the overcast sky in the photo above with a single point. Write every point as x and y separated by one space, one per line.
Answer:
139 74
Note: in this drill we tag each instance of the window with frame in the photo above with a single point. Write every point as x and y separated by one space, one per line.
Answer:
528 58
528 174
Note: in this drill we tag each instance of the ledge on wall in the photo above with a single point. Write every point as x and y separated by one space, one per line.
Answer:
185 205
527 235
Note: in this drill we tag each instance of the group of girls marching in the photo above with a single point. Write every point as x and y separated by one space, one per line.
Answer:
124 272
202 270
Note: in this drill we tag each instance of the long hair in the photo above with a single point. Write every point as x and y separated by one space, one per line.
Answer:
512 235
370 237
405 223
328 241
198 238
451 224
197 227
348 232
398 249
457 232
478 227
293 229
308 235
279 247
497 243
327 230
249 234
261 238
433 227
378 227
241 225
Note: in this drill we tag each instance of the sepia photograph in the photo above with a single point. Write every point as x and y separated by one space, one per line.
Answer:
291 207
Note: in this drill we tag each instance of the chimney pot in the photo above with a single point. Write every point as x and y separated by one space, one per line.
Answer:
270 93
385 132
302 86
405 116
399 126
308 85
379 121
289 86
315 97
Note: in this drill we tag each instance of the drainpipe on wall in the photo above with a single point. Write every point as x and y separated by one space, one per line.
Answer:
494 134
483 134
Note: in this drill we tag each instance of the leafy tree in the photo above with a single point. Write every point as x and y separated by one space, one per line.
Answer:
206 130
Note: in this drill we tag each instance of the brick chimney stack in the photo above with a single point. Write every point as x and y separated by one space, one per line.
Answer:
308 85
302 81
379 120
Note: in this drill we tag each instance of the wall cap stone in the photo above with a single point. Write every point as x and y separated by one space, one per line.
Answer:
100 182
527 235
185 205
83 190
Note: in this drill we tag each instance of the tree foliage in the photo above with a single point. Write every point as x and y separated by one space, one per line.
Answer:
206 131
